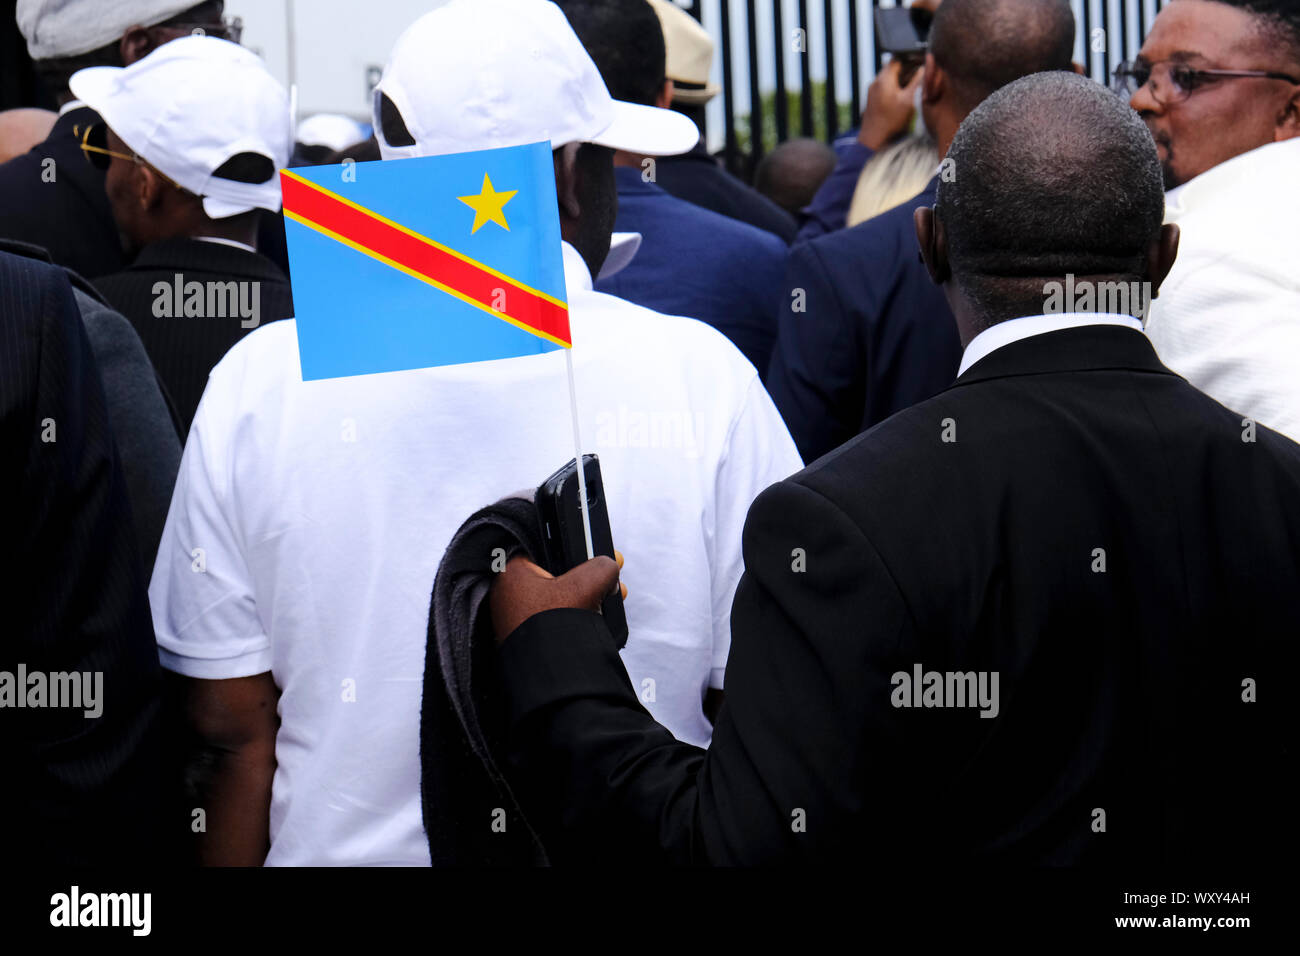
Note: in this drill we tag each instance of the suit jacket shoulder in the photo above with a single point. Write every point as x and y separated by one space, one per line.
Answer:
76 600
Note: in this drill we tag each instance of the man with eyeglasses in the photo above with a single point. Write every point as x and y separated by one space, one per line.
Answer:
51 197
1218 84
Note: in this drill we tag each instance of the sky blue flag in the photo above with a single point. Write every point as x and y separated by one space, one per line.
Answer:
438 260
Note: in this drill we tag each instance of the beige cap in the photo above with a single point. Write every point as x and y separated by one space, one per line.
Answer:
690 54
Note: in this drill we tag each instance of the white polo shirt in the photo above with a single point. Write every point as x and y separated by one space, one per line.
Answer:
1228 316
309 519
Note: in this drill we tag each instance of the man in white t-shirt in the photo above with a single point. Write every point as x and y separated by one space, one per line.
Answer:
309 518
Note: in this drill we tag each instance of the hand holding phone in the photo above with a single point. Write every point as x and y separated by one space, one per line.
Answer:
563 537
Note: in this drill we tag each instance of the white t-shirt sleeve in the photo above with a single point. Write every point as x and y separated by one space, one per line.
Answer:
758 453
204 613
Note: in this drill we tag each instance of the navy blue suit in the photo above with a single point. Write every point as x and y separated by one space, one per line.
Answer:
874 335
700 179
700 264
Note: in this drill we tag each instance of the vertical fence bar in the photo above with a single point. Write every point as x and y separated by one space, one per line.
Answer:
805 76
877 54
1123 33
755 91
782 103
696 10
855 68
1085 20
1110 38
731 152
832 106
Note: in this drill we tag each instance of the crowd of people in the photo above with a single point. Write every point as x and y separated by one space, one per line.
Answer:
970 529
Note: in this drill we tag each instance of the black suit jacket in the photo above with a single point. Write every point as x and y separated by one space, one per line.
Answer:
185 349
1120 689
76 789
862 331
67 215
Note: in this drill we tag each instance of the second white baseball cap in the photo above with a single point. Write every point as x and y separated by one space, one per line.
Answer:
191 106
482 74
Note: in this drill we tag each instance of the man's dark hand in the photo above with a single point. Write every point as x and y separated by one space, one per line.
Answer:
523 589
890 107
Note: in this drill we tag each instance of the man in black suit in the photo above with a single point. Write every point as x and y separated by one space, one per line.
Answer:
1033 620
145 426
51 197
862 331
188 198
82 780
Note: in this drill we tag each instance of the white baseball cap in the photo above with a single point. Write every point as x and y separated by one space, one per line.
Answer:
332 130
482 74
189 107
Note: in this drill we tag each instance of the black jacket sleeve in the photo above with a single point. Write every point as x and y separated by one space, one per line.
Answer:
817 626
85 782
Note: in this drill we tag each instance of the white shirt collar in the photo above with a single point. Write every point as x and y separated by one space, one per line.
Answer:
227 242
576 274
623 248
1273 162
1013 330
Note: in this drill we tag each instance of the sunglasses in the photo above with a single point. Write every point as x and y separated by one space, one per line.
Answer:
94 146
1173 82
227 28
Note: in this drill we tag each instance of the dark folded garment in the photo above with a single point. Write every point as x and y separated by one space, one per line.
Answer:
471 816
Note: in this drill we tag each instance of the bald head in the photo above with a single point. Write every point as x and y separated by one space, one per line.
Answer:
793 172
1053 175
21 129
983 45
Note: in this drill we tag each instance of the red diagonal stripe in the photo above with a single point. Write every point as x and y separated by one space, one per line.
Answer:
467 278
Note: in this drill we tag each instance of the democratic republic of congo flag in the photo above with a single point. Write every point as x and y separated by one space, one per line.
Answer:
437 260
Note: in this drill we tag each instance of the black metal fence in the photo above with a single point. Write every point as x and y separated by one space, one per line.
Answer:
1122 24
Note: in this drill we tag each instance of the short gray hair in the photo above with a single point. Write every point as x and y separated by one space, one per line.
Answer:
1052 174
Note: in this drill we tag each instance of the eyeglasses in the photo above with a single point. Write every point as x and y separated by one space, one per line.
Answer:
1173 82
94 146
227 28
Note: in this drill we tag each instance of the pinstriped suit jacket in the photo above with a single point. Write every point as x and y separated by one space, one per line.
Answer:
77 788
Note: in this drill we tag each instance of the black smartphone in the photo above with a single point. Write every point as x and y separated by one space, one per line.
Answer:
903 30
566 545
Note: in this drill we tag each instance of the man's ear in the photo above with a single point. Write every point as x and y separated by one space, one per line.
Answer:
934 82
1161 256
665 98
934 244
149 187
135 44
1288 126
567 180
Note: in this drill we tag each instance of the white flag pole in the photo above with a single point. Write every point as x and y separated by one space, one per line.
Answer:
577 453
293 114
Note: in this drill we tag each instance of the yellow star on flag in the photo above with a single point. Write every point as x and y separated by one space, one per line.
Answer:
488 206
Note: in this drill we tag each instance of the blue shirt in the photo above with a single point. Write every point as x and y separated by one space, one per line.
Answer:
700 264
